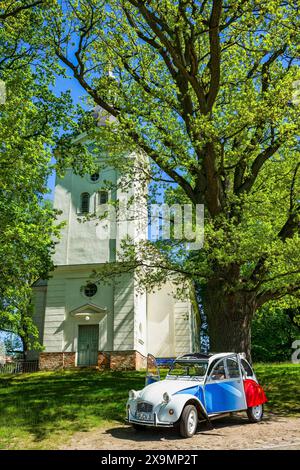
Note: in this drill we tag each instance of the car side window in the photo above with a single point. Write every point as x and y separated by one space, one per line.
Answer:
247 368
218 372
233 369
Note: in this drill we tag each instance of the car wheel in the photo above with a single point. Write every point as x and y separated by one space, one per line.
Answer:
138 427
255 413
188 421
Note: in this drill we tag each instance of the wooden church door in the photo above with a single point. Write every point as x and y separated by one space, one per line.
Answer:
88 339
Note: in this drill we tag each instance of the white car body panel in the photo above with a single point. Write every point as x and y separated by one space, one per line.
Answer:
153 394
155 391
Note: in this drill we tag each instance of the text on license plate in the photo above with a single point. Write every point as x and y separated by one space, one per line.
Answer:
144 416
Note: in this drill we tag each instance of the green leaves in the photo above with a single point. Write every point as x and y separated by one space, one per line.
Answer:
207 93
30 120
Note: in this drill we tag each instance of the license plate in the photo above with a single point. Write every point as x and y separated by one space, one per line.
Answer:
144 416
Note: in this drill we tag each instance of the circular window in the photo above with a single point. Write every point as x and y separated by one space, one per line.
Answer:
94 177
90 290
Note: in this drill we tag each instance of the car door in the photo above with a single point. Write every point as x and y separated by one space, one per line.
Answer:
247 370
223 388
152 374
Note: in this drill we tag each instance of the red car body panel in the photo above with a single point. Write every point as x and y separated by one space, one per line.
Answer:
254 392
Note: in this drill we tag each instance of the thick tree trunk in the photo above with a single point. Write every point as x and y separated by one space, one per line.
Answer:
229 319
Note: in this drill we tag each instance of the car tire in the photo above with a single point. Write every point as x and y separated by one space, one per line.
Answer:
138 427
255 413
188 421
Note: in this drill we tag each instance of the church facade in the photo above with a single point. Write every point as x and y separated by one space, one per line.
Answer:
83 323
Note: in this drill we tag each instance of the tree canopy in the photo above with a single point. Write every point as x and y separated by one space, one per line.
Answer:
30 117
205 89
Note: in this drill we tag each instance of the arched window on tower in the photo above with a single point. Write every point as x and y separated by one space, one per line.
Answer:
85 203
102 197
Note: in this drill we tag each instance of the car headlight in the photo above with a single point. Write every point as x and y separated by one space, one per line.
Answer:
166 397
132 394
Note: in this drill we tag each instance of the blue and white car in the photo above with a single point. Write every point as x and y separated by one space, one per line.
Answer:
197 388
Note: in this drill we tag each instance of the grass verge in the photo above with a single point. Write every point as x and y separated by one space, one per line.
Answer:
42 410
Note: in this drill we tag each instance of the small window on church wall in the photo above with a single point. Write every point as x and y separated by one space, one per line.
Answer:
90 290
85 203
102 197
94 177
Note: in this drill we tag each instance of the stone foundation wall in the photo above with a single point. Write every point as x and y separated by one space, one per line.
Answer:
69 359
57 360
115 360
103 360
127 360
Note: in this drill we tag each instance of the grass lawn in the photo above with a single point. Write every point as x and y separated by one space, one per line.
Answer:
281 382
41 410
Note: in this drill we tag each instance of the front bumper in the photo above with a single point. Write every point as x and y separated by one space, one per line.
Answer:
154 422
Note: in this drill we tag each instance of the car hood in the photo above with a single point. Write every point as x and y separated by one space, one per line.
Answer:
155 391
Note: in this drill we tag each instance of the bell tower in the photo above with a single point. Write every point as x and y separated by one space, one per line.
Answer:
80 200
83 322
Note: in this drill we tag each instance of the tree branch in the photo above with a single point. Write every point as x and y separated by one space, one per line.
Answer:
256 166
275 294
175 53
17 10
215 53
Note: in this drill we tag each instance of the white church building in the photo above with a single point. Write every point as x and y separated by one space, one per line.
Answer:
107 325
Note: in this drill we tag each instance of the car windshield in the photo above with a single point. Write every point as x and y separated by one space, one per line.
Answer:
188 369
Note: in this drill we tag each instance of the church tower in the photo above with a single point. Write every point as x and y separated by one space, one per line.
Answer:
86 323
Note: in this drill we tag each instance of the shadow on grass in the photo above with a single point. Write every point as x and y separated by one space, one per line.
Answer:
43 403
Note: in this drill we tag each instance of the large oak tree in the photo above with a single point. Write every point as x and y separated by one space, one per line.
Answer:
207 90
